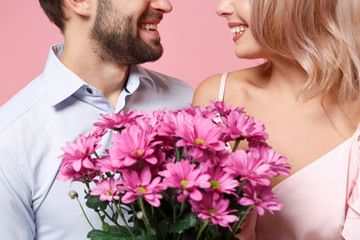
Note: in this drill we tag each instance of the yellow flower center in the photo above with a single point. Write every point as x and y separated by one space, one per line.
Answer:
212 211
138 151
142 189
109 193
215 184
199 141
184 183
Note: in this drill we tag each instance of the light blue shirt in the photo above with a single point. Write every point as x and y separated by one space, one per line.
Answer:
54 108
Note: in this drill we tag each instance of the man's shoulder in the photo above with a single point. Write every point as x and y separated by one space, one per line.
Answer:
164 80
21 103
158 90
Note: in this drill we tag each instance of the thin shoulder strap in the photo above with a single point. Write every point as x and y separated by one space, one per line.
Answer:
222 86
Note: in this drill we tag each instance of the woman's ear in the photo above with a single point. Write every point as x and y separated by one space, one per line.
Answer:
81 7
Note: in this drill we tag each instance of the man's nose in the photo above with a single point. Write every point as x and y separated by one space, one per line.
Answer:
163 6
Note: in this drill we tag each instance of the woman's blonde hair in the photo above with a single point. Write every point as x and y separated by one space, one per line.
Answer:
322 36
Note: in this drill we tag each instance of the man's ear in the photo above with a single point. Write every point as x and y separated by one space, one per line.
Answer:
81 7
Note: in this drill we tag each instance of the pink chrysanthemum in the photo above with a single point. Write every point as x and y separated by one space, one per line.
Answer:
107 189
201 111
77 160
260 196
157 114
200 133
222 182
184 176
241 126
216 209
117 120
211 158
142 186
133 144
221 108
248 167
168 124
106 164
257 132
276 162
97 132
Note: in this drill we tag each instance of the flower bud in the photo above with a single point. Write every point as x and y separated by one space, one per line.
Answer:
73 194
140 215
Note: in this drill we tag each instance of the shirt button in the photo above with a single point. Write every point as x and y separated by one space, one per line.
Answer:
89 90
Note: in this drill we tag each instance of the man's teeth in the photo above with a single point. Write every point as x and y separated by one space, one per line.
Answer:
238 30
149 26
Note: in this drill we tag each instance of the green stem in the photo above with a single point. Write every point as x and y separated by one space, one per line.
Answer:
238 223
86 182
181 209
202 228
122 218
238 191
236 145
134 211
96 155
102 220
141 203
178 154
174 212
82 209
162 213
111 219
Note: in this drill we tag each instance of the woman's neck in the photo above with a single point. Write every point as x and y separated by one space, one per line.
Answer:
286 76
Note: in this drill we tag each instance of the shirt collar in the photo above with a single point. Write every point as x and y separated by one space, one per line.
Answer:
60 82
143 74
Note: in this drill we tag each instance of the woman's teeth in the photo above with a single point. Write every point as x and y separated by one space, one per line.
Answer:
238 30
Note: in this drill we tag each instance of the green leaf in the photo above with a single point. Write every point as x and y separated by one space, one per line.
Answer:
163 226
101 235
146 237
188 235
120 229
187 222
95 203
212 232
228 236
106 227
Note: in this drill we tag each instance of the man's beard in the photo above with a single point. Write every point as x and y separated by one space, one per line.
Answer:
118 40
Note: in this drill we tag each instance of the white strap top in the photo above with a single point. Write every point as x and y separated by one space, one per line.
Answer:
222 86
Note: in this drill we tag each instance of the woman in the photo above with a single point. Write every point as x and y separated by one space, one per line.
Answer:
308 96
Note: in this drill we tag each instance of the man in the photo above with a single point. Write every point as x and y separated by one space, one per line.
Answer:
94 72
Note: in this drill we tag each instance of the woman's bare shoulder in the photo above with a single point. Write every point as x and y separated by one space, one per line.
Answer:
238 81
207 90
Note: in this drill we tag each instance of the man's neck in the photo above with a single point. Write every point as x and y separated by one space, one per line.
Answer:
107 77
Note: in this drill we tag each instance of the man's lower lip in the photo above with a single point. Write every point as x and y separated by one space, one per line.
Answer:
153 32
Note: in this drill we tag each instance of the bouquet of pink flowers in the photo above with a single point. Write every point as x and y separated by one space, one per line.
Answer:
175 173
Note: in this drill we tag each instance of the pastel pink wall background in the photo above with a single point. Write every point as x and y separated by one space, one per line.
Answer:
197 43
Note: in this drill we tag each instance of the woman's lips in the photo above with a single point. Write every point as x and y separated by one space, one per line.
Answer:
237 29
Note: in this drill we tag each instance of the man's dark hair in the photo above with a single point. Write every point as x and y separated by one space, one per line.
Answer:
54 9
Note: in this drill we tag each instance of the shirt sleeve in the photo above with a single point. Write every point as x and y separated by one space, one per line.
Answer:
16 214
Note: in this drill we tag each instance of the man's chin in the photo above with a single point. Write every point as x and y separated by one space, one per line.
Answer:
155 51
153 56
153 42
